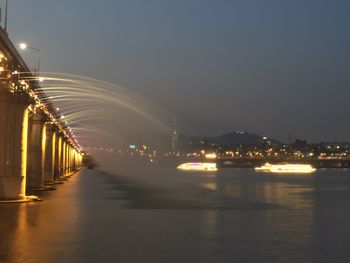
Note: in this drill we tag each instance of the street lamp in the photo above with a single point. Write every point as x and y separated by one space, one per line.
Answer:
24 46
5 27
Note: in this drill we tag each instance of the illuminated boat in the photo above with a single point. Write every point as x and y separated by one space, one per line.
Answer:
198 167
286 168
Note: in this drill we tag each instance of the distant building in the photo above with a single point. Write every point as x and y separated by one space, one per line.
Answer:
300 144
174 137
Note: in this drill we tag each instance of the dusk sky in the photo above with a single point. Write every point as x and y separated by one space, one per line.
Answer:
277 68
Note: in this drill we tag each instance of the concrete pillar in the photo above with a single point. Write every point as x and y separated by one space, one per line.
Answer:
50 154
36 150
67 159
13 143
74 160
70 159
58 155
79 160
63 163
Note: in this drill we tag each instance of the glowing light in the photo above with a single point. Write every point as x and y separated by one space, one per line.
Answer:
43 141
210 156
198 167
286 168
62 117
41 79
24 147
23 46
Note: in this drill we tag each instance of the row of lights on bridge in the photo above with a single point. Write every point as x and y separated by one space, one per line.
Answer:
24 87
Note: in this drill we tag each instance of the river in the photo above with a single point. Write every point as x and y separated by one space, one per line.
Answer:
159 214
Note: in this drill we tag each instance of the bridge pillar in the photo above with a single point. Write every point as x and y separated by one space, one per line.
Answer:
79 160
72 151
59 157
70 159
13 143
76 167
36 150
50 154
74 160
64 156
67 159
58 153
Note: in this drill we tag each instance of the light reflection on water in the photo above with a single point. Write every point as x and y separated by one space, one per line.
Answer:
29 230
272 229
170 216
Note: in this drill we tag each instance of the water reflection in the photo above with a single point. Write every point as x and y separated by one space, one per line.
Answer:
235 216
210 224
280 229
210 186
271 189
32 232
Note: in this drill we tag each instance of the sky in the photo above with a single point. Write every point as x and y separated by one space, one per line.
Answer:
277 68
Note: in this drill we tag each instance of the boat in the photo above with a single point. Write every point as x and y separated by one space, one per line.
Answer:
198 167
286 168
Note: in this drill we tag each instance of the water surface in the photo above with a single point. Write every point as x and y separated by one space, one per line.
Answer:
163 215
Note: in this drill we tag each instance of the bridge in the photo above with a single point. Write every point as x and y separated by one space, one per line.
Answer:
36 148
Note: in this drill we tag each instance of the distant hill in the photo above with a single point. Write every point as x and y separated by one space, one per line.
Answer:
232 138
240 137
188 142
